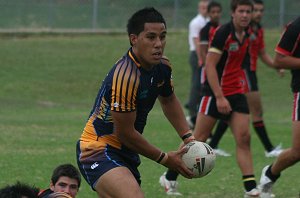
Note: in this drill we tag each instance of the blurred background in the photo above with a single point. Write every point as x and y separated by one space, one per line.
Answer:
110 15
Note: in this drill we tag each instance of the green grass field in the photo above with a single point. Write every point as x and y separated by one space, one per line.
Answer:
48 85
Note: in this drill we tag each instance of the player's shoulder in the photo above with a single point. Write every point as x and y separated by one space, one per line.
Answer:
166 62
224 30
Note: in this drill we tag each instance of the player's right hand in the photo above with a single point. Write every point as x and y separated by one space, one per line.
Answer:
223 105
176 163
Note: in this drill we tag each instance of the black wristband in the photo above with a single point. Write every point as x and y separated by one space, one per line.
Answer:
186 136
162 155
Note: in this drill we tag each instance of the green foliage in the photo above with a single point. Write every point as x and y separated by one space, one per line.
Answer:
48 85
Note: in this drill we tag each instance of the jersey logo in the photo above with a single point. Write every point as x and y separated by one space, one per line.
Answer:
252 37
95 165
234 47
116 104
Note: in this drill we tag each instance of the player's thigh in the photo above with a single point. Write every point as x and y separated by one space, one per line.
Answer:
239 124
254 102
118 182
204 126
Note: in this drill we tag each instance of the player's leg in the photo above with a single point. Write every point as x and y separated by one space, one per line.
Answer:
291 155
203 127
118 182
239 124
256 110
216 137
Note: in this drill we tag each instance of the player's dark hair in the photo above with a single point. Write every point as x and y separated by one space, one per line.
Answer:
235 3
212 5
137 21
258 2
19 190
67 170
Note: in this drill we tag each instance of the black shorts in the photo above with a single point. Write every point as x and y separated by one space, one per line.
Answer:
238 103
94 162
251 80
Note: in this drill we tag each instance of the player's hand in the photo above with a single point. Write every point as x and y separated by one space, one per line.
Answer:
223 105
176 163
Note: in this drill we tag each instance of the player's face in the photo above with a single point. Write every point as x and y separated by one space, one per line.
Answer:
149 45
215 14
202 7
66 185
258 12
242 16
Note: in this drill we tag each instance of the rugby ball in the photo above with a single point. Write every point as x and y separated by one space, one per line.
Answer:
200 158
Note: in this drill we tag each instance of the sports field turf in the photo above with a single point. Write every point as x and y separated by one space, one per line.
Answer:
48 85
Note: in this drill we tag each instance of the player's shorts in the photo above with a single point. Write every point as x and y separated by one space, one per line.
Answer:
251 80
296 108
94 162
238 103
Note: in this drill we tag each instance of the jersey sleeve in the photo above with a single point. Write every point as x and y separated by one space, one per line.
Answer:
167 88
218 40
124 88
262 40
287 41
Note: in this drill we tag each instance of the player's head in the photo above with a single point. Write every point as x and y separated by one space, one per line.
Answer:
147 34
65 178
214 11
136 24
258 10
19 190
202 7
241 12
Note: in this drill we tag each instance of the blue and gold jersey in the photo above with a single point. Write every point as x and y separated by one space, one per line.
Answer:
127 87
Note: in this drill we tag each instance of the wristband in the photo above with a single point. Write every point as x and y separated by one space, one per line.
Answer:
187 135
162 158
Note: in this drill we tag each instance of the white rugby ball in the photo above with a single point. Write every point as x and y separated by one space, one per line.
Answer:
200 158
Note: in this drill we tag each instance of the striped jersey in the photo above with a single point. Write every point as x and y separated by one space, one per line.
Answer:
127 87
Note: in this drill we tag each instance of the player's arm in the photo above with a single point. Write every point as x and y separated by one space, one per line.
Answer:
203 52
265 57
125 131
174 113
198 52
286 62
212 59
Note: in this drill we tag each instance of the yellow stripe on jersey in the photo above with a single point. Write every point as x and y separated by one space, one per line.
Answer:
124 87
215 50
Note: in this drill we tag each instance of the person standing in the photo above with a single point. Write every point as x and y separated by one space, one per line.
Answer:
257 49
223 91
287 57
109 147
195 26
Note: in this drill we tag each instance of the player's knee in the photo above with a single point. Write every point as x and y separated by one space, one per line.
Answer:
244 139
295 155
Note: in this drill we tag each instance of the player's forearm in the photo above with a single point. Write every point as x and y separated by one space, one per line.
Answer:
286 62
174 113
266 59
203 52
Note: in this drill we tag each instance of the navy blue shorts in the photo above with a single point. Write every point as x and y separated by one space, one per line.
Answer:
238 103
94 161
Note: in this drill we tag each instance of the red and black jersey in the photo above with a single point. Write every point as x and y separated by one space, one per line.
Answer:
207 32
257 43
234 57
289 45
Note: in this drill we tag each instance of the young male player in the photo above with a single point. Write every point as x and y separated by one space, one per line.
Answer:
287 57
257 49
224 91
107 152
65 178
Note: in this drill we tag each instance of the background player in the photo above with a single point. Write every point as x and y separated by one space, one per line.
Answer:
223 91
287 57
196 24
257 49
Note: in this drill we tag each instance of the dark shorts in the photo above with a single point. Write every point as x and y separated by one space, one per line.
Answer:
93 163
238 103
251 80
296 108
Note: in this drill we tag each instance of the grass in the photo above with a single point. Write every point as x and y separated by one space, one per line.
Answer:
48 85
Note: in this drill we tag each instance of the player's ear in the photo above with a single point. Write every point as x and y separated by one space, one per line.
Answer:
51 186
133 39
